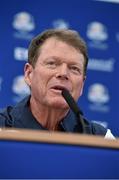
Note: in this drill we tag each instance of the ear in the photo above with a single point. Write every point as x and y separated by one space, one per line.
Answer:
28 71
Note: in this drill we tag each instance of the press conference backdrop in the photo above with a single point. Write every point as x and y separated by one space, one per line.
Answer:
97 23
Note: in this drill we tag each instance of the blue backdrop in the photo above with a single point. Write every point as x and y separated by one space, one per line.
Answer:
97 23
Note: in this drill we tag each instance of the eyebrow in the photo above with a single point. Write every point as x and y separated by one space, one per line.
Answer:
60 59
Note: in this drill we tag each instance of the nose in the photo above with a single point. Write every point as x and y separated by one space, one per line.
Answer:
62 72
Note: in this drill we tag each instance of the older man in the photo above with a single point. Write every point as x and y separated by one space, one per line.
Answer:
57 60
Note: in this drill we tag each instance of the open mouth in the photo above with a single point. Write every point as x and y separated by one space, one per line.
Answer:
58 88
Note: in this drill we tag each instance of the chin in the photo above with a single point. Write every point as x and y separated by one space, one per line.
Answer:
59 104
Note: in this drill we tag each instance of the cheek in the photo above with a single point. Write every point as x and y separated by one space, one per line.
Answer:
78 89
40 79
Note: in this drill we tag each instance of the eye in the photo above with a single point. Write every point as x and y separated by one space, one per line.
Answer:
75 69
51 63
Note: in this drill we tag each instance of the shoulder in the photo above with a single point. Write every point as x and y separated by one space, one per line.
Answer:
98 129
5 118
93 127
10 114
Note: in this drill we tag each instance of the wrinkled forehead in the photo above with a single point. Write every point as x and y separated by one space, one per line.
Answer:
60 51
53 44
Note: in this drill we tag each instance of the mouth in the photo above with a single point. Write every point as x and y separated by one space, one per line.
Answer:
59 88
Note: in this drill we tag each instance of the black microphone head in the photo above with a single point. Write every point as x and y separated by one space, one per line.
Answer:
70 101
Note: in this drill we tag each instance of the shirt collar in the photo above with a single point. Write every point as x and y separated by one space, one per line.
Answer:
25 118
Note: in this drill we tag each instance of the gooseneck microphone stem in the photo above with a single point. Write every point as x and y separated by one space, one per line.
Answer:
74 107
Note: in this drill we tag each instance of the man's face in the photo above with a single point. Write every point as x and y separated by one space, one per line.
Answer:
58 66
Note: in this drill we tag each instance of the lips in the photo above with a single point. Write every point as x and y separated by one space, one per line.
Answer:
59 87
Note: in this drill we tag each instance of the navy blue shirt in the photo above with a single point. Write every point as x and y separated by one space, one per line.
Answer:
20 116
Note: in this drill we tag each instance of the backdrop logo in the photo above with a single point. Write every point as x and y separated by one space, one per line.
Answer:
105 65
21 54
20 88
97 33
23 22
98 95
60 24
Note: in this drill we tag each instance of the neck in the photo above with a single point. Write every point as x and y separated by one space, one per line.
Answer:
48 117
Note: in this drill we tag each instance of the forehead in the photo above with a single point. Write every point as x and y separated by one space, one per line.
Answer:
54 46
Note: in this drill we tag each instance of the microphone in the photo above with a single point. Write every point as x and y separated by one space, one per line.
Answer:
74 107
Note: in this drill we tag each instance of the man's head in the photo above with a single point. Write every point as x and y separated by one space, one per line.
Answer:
70 37
57 60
